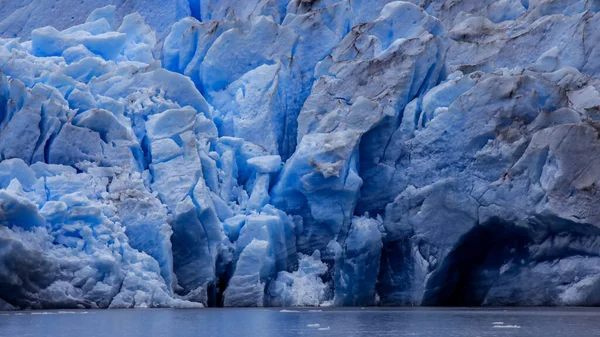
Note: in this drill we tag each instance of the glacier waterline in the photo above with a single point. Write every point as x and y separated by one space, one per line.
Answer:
259 322
290 154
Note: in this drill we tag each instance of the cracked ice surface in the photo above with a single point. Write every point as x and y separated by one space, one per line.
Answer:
301 153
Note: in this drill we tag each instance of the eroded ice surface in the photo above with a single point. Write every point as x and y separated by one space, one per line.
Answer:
266 153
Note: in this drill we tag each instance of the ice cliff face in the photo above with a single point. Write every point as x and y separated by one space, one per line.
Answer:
302 153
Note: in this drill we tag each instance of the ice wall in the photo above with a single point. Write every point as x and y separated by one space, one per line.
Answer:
266 153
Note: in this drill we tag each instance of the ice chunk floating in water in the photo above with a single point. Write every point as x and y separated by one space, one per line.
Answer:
293 153
501 325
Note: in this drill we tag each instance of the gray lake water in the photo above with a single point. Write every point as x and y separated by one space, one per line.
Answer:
302 322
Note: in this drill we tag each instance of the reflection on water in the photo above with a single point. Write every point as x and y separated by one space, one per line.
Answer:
303 322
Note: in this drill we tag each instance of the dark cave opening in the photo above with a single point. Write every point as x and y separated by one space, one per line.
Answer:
471 268
216 289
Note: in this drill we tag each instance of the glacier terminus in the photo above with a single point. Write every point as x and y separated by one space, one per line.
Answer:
251 153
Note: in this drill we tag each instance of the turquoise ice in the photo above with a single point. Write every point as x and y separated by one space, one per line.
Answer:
266 153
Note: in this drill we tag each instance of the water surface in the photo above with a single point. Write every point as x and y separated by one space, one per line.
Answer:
576 322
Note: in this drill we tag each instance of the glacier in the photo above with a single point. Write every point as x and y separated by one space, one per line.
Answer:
299 153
